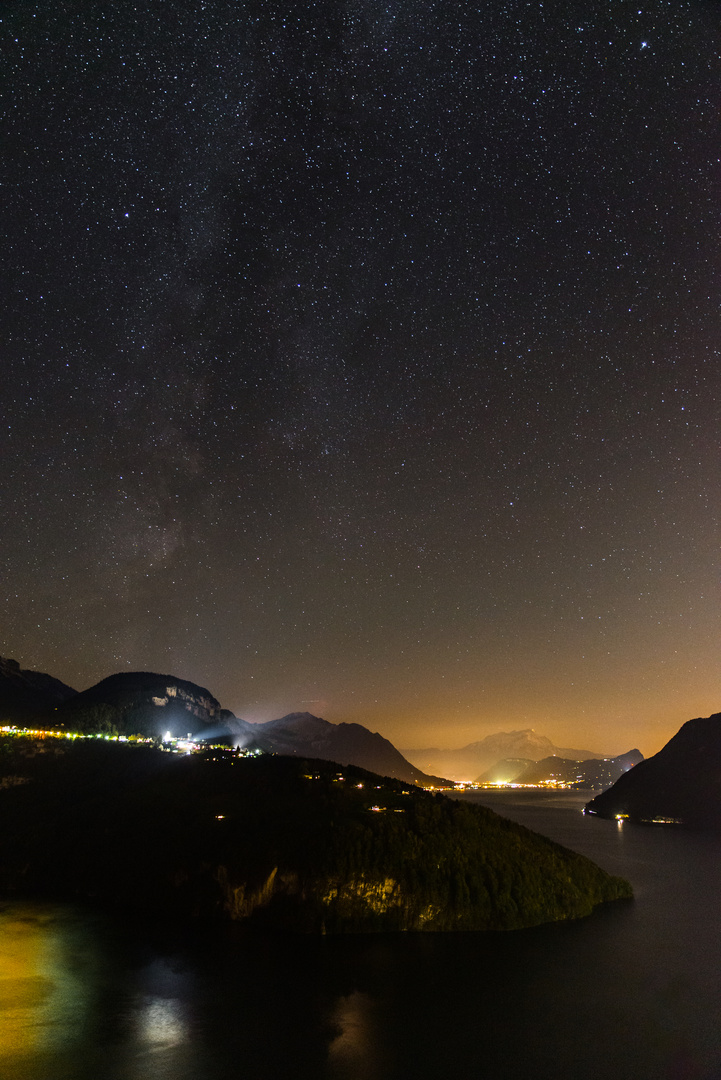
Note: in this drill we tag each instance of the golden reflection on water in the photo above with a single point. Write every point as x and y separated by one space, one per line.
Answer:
41 999
54 981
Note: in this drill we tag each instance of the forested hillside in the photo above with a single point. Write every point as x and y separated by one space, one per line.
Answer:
283 842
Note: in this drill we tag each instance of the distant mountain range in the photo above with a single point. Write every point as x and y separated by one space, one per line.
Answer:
681 783
593 774
305 735
147 703
471 761
152 704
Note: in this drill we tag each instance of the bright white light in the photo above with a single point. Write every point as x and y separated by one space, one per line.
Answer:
161 1022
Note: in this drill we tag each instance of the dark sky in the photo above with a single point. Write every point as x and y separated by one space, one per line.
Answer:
363 358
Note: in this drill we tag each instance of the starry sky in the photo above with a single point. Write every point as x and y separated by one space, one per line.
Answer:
363 358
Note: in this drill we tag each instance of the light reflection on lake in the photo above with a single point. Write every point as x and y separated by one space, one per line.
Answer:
45 979
353 1052
632 993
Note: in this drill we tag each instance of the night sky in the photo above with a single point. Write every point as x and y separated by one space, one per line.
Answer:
363 358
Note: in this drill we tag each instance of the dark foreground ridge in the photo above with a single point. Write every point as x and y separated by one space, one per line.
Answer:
281 842
681 784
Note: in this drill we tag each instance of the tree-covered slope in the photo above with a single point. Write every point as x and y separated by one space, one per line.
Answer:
283 842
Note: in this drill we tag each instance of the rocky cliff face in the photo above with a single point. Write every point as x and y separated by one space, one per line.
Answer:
681 784
142 702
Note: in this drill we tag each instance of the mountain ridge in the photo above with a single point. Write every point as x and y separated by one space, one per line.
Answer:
25 694
468 762
153 704
306 735
594 773
681 784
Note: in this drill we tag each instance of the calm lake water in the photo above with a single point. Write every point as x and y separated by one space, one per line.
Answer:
632 992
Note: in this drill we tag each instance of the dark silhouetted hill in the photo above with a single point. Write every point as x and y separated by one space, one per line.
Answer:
143 703
25 695
681 783
593 774
305 735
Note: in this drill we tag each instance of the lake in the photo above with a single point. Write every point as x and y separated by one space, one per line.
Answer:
633 992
